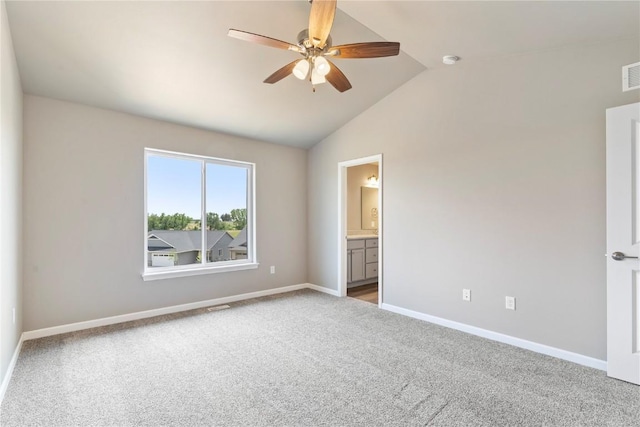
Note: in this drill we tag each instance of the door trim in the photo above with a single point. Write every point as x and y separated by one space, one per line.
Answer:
342 222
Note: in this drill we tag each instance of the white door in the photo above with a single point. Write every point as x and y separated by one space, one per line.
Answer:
623 237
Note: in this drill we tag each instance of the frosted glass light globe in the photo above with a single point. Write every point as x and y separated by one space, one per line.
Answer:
301 69
321 65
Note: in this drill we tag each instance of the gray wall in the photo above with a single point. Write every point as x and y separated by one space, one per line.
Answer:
10 197
494 180
83 193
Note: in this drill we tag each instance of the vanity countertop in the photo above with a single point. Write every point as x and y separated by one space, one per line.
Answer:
362 236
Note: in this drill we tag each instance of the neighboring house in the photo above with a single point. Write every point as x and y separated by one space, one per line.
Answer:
238 247
181 247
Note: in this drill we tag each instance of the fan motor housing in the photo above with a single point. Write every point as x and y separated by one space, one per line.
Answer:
303 40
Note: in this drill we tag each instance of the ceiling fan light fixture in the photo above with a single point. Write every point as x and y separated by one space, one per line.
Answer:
301 70
314 44
317 78
321 66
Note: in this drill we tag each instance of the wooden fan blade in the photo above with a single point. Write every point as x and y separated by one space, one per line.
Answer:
320 21
263 40
281 73
365 50
337 78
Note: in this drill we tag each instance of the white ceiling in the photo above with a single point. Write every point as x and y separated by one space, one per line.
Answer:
173 60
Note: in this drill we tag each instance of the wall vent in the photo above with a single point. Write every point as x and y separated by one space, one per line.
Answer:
631 77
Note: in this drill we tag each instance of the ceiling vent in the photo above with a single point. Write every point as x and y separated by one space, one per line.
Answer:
631 77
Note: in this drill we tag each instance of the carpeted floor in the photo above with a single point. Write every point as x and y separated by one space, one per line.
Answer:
302 359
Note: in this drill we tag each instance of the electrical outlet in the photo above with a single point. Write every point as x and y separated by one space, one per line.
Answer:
466 294
510 303
273 269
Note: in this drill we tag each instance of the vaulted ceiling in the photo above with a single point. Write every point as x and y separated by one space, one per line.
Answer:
173 60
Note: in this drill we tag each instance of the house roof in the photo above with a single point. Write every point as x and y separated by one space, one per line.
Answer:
157 244
184 241
240 240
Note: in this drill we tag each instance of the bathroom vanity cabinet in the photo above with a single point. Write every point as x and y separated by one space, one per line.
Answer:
362 261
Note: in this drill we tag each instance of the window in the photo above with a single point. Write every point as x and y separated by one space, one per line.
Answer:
199 215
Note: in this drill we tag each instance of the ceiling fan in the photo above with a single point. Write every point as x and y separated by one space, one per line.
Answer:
314 44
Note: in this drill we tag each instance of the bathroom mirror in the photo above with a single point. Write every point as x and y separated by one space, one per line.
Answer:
369 206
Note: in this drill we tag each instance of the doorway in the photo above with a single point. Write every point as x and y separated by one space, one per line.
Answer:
360 228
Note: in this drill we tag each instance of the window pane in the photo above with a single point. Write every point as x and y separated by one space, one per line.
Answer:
173 211
226 207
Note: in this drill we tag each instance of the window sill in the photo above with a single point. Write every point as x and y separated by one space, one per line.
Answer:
158 275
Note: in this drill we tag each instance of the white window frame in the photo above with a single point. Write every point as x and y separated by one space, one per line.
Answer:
204 267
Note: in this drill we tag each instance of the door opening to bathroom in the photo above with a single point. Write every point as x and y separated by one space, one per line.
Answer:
360 229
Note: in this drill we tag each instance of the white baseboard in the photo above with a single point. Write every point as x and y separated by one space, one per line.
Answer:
322 289
10 368
105 321
506 339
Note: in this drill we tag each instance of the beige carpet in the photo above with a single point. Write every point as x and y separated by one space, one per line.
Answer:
302 359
